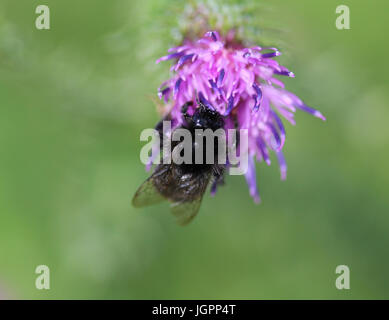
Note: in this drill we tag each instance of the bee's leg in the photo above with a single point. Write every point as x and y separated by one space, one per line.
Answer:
218 175
159 128
184 108
184 111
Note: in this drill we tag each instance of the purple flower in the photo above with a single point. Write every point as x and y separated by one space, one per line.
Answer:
240 83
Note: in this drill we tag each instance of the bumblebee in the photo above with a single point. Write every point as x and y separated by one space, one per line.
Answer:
183 185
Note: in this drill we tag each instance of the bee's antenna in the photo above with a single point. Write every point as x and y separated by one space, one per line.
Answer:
184 111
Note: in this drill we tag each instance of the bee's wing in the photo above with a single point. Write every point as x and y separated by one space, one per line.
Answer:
147 194
184 192
185 211
187 208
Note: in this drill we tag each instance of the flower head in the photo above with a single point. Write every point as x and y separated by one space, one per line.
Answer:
243 84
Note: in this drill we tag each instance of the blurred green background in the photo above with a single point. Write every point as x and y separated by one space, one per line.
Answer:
73 101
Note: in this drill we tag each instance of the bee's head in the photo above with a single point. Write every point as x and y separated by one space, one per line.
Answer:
206 118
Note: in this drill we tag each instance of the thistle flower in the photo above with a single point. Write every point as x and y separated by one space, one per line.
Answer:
243 84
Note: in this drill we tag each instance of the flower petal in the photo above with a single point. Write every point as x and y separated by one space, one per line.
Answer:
282 164
177 87
251 179
214 34
182 60
204 101
170 56
280 127
220 78
230 105
310 110
257 97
